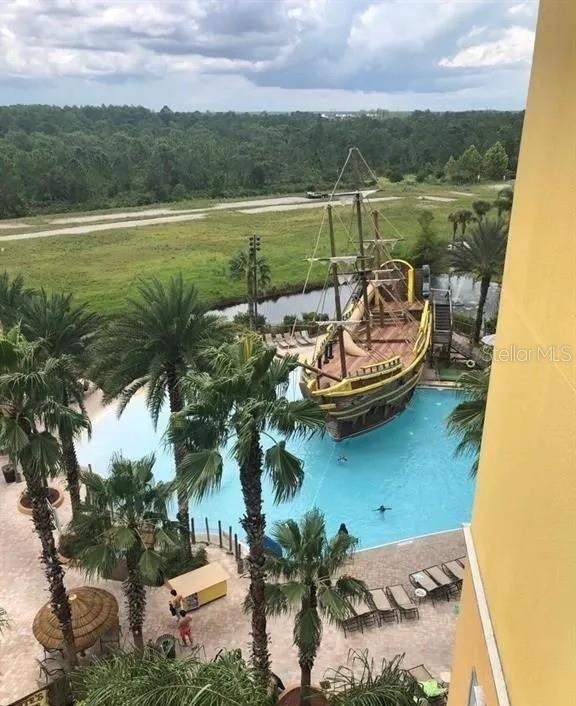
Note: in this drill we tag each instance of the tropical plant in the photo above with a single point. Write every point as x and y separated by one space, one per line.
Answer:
466 420
363 683
64 328
244 394
163 334
465 216
313 587
149 679
31 414
481 208
13 294
454 219
124 518
256 272
504 201
428 249
481 254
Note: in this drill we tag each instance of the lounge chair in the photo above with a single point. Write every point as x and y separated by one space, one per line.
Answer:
300 339
463 561
366 614
307 338
405 605
269 340
279 340
420 579
449 584
453 568
288 340
434 691
385 613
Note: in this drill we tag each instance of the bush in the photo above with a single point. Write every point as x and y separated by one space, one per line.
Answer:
242 319
68 545
175 565
395 176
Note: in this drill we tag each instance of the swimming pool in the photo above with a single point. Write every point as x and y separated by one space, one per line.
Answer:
407 465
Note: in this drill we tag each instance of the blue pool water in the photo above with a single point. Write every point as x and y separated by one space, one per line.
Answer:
407 465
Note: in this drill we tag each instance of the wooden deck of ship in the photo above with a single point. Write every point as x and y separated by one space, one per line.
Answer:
387 341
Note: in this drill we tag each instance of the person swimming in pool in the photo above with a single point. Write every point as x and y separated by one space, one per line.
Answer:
382 509
342 459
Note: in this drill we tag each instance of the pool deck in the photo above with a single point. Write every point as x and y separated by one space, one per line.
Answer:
23 591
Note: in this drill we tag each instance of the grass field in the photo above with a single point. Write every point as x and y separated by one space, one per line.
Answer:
103 267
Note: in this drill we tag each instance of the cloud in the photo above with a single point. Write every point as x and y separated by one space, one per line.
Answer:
382 47
514 47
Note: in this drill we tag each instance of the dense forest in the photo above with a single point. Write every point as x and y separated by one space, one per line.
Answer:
95 157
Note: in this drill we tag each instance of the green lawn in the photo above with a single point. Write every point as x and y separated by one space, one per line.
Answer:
102 268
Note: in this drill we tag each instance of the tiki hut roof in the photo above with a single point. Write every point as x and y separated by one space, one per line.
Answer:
94 612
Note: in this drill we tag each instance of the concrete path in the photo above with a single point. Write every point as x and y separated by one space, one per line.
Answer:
223 624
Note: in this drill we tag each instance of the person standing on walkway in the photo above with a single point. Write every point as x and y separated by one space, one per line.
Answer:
176 604
184 621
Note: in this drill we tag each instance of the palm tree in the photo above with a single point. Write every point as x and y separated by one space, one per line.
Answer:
149 679
153 344
256 272
64 328
481 254
125 519
504 201
13 294
466 420
481 208
245 393
465 216
314 586
31 413
454 219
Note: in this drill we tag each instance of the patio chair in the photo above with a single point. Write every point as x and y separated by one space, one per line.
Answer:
434 590
423 677
306 337
352 624
385 613
462 560
49 668
405 605
289 341
453 568
366 614
300 339
269 340
448 583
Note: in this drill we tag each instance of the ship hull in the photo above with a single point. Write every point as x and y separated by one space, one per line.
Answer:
365 411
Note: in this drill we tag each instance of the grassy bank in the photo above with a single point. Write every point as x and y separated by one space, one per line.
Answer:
102 268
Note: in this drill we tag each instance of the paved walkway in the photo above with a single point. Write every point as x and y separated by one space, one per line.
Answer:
222 624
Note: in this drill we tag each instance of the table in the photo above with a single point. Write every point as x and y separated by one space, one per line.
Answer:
201 586
420 593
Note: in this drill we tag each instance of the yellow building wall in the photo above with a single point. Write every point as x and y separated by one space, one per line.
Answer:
218 590
524 519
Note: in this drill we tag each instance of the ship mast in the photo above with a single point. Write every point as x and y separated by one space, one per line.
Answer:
378 262
357 199
334 267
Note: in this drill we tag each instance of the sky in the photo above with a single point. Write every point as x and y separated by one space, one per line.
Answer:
274 55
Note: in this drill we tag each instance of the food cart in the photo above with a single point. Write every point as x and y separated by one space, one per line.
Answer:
201 586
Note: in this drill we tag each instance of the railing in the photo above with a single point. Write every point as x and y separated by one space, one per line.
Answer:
227 541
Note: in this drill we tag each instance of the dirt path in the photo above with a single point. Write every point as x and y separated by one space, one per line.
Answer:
95 227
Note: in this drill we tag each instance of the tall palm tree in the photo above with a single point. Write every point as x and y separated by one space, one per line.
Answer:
64 328
313 586
13 294
125 518
161 336
481 254
481 208
454 219
31 414
504 201
246 389
465 216
256 272
466 420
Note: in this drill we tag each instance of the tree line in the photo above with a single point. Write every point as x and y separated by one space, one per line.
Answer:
117 156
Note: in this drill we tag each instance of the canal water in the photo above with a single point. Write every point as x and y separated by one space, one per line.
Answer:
465 295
